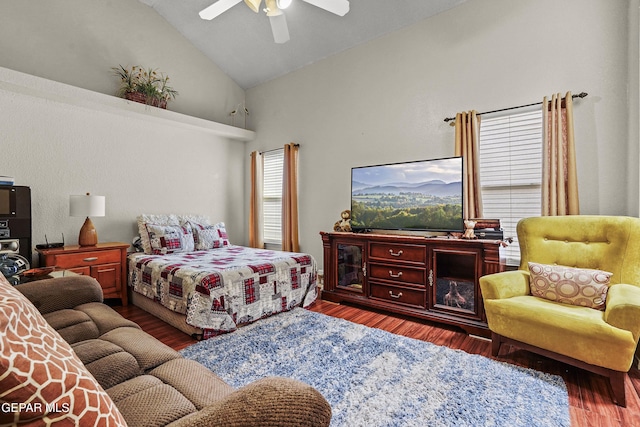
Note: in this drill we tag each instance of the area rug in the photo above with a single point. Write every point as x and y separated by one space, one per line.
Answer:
376 378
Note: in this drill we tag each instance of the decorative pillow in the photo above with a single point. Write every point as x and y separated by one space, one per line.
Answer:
42 380
145 219
169 239
575 286
210 236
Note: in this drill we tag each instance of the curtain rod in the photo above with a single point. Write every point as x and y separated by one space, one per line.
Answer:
580 95
274 149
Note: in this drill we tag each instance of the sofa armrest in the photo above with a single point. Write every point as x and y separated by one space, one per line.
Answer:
50 295
623 308
267 402
505 285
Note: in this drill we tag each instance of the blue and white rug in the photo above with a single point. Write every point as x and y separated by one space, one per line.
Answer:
375 378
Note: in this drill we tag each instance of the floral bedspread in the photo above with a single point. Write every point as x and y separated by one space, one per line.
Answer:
222 288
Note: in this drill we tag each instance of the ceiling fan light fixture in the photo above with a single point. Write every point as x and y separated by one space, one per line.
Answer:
283 4
271 8
253 5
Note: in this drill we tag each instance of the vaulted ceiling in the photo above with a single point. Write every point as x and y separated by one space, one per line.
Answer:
240 41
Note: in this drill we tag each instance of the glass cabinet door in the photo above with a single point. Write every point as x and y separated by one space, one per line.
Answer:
453 279
351 270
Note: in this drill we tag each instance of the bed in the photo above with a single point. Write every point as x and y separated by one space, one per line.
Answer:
191 276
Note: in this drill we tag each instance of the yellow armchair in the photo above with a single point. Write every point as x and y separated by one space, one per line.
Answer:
603 342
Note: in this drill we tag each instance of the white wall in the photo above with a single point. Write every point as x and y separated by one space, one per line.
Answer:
78 42
58 147
385 101
634 102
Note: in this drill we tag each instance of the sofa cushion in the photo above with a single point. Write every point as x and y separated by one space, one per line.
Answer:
148 351
108 363
105 318
576 286
40 368
72 325
577 332
197 383
154 406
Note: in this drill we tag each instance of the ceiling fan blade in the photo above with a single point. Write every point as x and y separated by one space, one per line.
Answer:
339 7
279 28
217 8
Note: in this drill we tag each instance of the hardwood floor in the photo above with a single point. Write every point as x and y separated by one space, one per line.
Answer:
589 394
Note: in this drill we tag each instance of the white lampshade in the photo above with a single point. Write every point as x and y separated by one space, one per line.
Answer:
86 205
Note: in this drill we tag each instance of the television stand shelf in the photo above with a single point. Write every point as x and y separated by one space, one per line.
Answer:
432 278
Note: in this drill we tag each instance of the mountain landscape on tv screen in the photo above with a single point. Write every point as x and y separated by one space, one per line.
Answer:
434 187
432 204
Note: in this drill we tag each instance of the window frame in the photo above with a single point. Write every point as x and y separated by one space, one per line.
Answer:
273 167
511 143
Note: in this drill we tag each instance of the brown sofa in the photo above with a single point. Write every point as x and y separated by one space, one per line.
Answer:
149 383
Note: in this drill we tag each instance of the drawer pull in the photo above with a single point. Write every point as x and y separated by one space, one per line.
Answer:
391 294
395 253
91 259
395 275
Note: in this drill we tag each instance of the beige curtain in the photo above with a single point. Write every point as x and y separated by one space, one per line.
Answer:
290 241
559 175
256 217
467 140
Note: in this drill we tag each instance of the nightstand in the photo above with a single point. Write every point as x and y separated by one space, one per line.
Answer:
105 262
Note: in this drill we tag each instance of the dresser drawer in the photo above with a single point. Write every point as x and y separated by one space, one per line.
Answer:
397 294
398 273
88 258
415 254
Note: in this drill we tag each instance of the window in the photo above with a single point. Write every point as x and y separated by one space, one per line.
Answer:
272 196
511 171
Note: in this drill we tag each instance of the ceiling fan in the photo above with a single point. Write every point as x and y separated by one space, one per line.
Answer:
273 9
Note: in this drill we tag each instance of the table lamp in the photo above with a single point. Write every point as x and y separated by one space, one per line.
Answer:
87 205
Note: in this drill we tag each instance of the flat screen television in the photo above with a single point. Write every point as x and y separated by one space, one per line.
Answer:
421 195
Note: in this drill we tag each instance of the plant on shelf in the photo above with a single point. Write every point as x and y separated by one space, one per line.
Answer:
147 86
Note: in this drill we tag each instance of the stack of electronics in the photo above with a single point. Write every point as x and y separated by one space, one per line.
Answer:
488 229
15 231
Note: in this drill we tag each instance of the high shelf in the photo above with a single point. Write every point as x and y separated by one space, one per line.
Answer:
433 278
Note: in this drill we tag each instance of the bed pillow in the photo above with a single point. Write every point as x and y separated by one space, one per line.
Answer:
40 368
170 219
145 219
575 286
210 236
169 239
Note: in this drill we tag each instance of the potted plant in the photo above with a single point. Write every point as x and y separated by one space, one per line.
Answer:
147 86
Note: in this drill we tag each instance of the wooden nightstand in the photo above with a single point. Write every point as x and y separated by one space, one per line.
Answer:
106 262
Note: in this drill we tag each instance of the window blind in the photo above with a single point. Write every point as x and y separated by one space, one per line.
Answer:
511 171
272 196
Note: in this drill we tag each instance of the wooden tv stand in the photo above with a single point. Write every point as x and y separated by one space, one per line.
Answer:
431 278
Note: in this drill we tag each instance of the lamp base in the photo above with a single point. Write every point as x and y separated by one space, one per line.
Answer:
88 234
